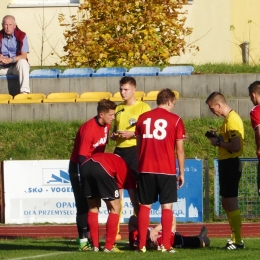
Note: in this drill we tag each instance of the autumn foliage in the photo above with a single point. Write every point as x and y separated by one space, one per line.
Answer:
108 33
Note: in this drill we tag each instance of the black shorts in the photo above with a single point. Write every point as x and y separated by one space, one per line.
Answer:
129 154
229 176
97 183
150 186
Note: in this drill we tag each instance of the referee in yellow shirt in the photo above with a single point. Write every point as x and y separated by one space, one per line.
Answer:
230 147
126 116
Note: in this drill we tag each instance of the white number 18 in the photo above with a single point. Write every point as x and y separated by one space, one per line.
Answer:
159 125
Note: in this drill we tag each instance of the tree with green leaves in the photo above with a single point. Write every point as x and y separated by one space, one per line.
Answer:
125 33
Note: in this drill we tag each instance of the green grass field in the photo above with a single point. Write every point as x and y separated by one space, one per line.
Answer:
19 249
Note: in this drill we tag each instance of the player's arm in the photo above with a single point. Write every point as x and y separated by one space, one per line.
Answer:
180 157
257 140
234 145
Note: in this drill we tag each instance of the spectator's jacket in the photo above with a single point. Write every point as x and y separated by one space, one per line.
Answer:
19 35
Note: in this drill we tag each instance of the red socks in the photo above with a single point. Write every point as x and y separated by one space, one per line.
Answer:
111 230
93 226
143 223
167 228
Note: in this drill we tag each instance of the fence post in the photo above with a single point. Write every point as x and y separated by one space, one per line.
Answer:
206 185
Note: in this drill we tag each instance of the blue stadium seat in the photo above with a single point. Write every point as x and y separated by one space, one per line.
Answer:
143 71
176 70
45 73
77 73
9 77
110 72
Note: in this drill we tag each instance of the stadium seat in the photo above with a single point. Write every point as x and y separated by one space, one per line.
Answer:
117 96
45 73
143 71
61 97
93 96
77 73
110 72
9 77
176 70
28 98
152 95
5 98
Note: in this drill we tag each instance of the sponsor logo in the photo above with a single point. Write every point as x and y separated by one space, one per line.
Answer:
55 177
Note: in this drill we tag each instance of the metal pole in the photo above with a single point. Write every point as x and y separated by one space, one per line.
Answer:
206 181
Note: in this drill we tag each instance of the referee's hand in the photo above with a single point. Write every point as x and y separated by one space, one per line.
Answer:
180 181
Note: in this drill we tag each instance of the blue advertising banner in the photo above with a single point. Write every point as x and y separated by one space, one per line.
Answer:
189 207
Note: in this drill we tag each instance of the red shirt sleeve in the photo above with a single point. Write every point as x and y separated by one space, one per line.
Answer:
255 116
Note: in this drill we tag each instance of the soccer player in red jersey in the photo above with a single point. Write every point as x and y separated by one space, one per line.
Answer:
254 93
160 134
103 176
91 138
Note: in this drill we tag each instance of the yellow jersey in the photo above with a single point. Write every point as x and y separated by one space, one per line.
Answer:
124 116
232 127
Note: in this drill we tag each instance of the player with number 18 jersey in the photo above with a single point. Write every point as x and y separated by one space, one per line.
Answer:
160 129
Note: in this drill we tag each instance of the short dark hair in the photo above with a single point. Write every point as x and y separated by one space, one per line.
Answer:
104 105
164 96
127 79
215 97
254 87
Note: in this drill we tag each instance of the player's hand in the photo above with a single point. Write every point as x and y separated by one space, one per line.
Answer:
153 235
180 181
114 136
125 134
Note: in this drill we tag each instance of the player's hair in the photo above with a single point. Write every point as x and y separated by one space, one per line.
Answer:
215 97
164 96
7 16
254 87
129 80
104 105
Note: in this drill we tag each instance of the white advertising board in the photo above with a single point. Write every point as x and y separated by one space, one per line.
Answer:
39 191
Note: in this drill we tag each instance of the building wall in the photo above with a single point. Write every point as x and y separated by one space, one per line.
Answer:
211 21
243 11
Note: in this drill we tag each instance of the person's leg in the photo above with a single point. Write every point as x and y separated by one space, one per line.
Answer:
229 176
167 218
231 205
93 222
22 69
80 201
129 155
168 195
114 207
143 223
194 241
3 71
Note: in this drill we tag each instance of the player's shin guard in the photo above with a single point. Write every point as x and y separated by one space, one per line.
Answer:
111 230
166 227
93 225
236 225
143 223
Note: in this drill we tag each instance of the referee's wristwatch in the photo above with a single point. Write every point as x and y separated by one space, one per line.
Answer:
12 59
218 142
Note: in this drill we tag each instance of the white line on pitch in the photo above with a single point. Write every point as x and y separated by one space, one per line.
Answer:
38 256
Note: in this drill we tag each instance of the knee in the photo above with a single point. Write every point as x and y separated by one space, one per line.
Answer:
22 63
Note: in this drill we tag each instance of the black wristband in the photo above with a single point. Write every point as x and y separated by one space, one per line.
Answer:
218 142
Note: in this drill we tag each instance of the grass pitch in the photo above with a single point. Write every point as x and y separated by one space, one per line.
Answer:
20 249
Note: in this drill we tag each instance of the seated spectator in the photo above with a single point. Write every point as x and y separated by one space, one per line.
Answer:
13 53
154 237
